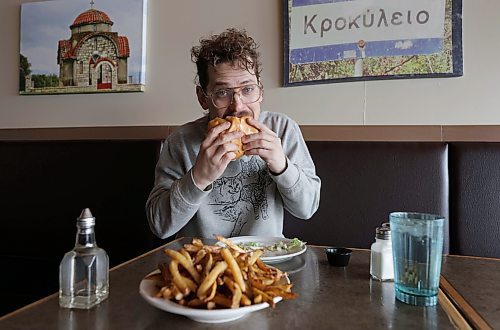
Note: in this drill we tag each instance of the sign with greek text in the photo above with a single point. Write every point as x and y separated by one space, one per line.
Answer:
346 40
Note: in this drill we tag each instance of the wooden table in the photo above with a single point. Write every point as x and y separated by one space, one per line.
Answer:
329 297
473 285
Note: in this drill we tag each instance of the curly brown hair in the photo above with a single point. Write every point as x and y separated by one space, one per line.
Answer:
231 46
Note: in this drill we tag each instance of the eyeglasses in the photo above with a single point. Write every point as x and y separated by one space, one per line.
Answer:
222 98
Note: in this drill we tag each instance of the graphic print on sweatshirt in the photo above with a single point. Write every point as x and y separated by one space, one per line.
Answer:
242 194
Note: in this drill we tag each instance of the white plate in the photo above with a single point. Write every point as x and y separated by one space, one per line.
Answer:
265 241
148 289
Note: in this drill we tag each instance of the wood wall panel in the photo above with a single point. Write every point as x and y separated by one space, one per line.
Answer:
430 133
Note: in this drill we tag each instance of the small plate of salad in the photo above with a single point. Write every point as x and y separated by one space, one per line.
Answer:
276 249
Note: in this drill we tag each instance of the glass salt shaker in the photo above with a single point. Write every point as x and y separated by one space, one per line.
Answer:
381 263
84 271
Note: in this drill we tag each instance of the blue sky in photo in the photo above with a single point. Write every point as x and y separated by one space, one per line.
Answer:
44 23
372 49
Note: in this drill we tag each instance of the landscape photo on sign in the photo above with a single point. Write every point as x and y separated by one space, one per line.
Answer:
328 40
82 46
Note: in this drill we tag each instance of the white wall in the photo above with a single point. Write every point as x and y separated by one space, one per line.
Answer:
169 99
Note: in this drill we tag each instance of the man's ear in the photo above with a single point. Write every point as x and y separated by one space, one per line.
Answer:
202 99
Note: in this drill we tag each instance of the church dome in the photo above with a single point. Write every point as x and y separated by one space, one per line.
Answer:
91 16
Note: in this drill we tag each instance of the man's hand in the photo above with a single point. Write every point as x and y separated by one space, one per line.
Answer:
267 145
216 151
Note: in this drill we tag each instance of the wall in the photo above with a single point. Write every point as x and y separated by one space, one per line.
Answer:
175 26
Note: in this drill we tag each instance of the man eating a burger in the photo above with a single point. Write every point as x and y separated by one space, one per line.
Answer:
233 171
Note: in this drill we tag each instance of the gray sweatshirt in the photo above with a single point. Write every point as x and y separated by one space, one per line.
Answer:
245 200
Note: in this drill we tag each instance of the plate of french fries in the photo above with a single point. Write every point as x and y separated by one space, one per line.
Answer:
214 283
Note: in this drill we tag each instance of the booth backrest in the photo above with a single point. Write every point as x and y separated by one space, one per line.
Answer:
43 188
362 182
475 199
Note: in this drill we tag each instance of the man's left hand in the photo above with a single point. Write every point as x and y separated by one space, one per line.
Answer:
267 145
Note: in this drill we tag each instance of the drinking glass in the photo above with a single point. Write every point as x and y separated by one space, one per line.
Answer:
417 248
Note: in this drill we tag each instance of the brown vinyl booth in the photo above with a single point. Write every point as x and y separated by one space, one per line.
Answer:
362 182
44 185
475 198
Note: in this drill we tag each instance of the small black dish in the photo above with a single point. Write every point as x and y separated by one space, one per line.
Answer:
338 256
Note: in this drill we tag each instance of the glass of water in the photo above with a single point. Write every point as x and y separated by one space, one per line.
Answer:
417 248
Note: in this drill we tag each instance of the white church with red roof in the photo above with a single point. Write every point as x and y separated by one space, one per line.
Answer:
93 57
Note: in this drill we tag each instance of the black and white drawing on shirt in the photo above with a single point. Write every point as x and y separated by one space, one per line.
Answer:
243 193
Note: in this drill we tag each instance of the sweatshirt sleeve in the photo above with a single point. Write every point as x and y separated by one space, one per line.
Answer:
175 198
298 185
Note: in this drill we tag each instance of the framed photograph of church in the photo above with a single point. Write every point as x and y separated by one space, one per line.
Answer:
82 46
330 41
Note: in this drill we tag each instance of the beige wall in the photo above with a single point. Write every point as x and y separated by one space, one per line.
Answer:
174 26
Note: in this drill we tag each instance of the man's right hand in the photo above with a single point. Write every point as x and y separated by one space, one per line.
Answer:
216 151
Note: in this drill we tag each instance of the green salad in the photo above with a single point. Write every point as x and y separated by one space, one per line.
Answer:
275 249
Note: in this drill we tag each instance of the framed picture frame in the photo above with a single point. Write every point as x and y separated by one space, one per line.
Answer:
332 41
82 46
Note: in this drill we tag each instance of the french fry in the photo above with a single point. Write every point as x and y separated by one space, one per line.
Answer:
265 297
235 269
192 247
159 294
187 256
176 293
282 294
236 296
197 242
200 254
211 278
208 265
261 283
167 293
213 291
245 301
184 284
185 262
255 255
235 290
212 248
230 244
262 266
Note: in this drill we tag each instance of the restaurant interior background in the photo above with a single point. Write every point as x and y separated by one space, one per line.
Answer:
169 98
431 109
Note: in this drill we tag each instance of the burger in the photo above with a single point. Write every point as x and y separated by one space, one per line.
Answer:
237 124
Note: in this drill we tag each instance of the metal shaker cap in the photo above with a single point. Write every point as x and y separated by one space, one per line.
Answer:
383 233
386 225
85 219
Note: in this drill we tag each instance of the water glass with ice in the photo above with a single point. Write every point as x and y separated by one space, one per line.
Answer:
417 247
